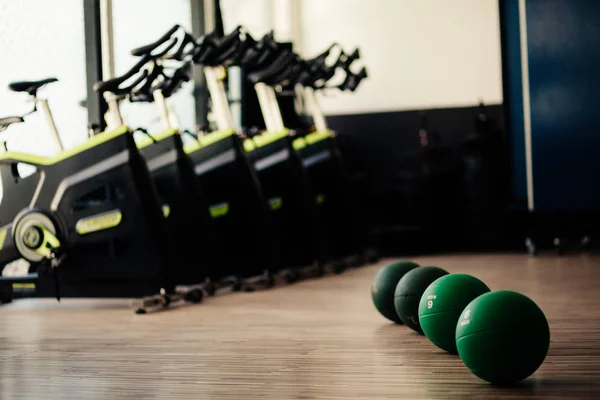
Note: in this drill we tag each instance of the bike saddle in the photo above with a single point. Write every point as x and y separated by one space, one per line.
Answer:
7 121
114 85
30 87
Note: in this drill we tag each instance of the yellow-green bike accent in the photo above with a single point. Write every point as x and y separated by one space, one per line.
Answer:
3 233
23 286
320 199
264 139
299 143
146 141
42 160
249 145
207 139
311 138
219 210
166 209
315 137
97 223
275 203
268 137
49 242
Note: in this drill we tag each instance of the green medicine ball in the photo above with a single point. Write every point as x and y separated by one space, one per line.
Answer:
502 337
409 291
384 284
441 305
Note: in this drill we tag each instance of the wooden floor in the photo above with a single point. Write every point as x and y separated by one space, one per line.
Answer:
318 339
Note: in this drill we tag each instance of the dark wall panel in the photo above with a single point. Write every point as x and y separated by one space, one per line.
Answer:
448 198
376 143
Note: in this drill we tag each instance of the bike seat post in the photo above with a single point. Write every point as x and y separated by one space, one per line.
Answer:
214 79
272 121
43 104
276 111
267 99
169 117
315 110
113 116
299 102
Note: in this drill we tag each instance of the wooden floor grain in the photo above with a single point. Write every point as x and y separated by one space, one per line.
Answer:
319 339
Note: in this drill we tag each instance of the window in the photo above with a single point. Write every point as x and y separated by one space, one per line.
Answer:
30 52
43 39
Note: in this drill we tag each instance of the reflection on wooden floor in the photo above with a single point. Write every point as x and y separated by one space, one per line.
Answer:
315 339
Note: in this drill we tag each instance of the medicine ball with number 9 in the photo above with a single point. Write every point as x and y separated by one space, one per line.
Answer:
441 305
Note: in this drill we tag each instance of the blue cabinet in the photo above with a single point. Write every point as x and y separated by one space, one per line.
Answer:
562 89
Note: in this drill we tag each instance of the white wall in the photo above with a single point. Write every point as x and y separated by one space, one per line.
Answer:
254 15
419 53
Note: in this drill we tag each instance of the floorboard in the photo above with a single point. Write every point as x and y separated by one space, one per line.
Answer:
319 339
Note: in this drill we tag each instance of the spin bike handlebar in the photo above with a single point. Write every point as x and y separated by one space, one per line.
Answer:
147 49
159 79
289 75
228 50
143 93
259 54
284 60
320 73
273 64
170 84
345 60
178 55
113 85
318 70
5 122
352 80
210 45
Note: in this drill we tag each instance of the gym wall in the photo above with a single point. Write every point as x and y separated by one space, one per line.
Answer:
420 54
434 55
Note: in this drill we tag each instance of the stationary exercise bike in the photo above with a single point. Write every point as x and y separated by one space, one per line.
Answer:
280 169
184 204
88 220
317 150
236 203
321 155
